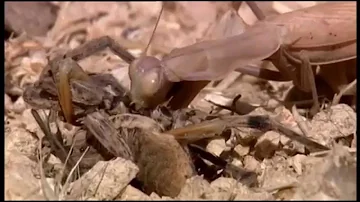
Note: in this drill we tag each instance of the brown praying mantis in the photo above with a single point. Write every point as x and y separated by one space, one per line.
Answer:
152 81
294 42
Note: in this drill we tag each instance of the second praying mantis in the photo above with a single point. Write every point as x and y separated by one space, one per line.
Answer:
294 42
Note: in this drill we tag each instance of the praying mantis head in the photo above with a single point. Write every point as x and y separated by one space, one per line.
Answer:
148 84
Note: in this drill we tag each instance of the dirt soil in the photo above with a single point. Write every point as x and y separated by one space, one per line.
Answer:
285 170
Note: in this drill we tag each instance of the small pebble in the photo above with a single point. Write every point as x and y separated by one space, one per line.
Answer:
267 144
